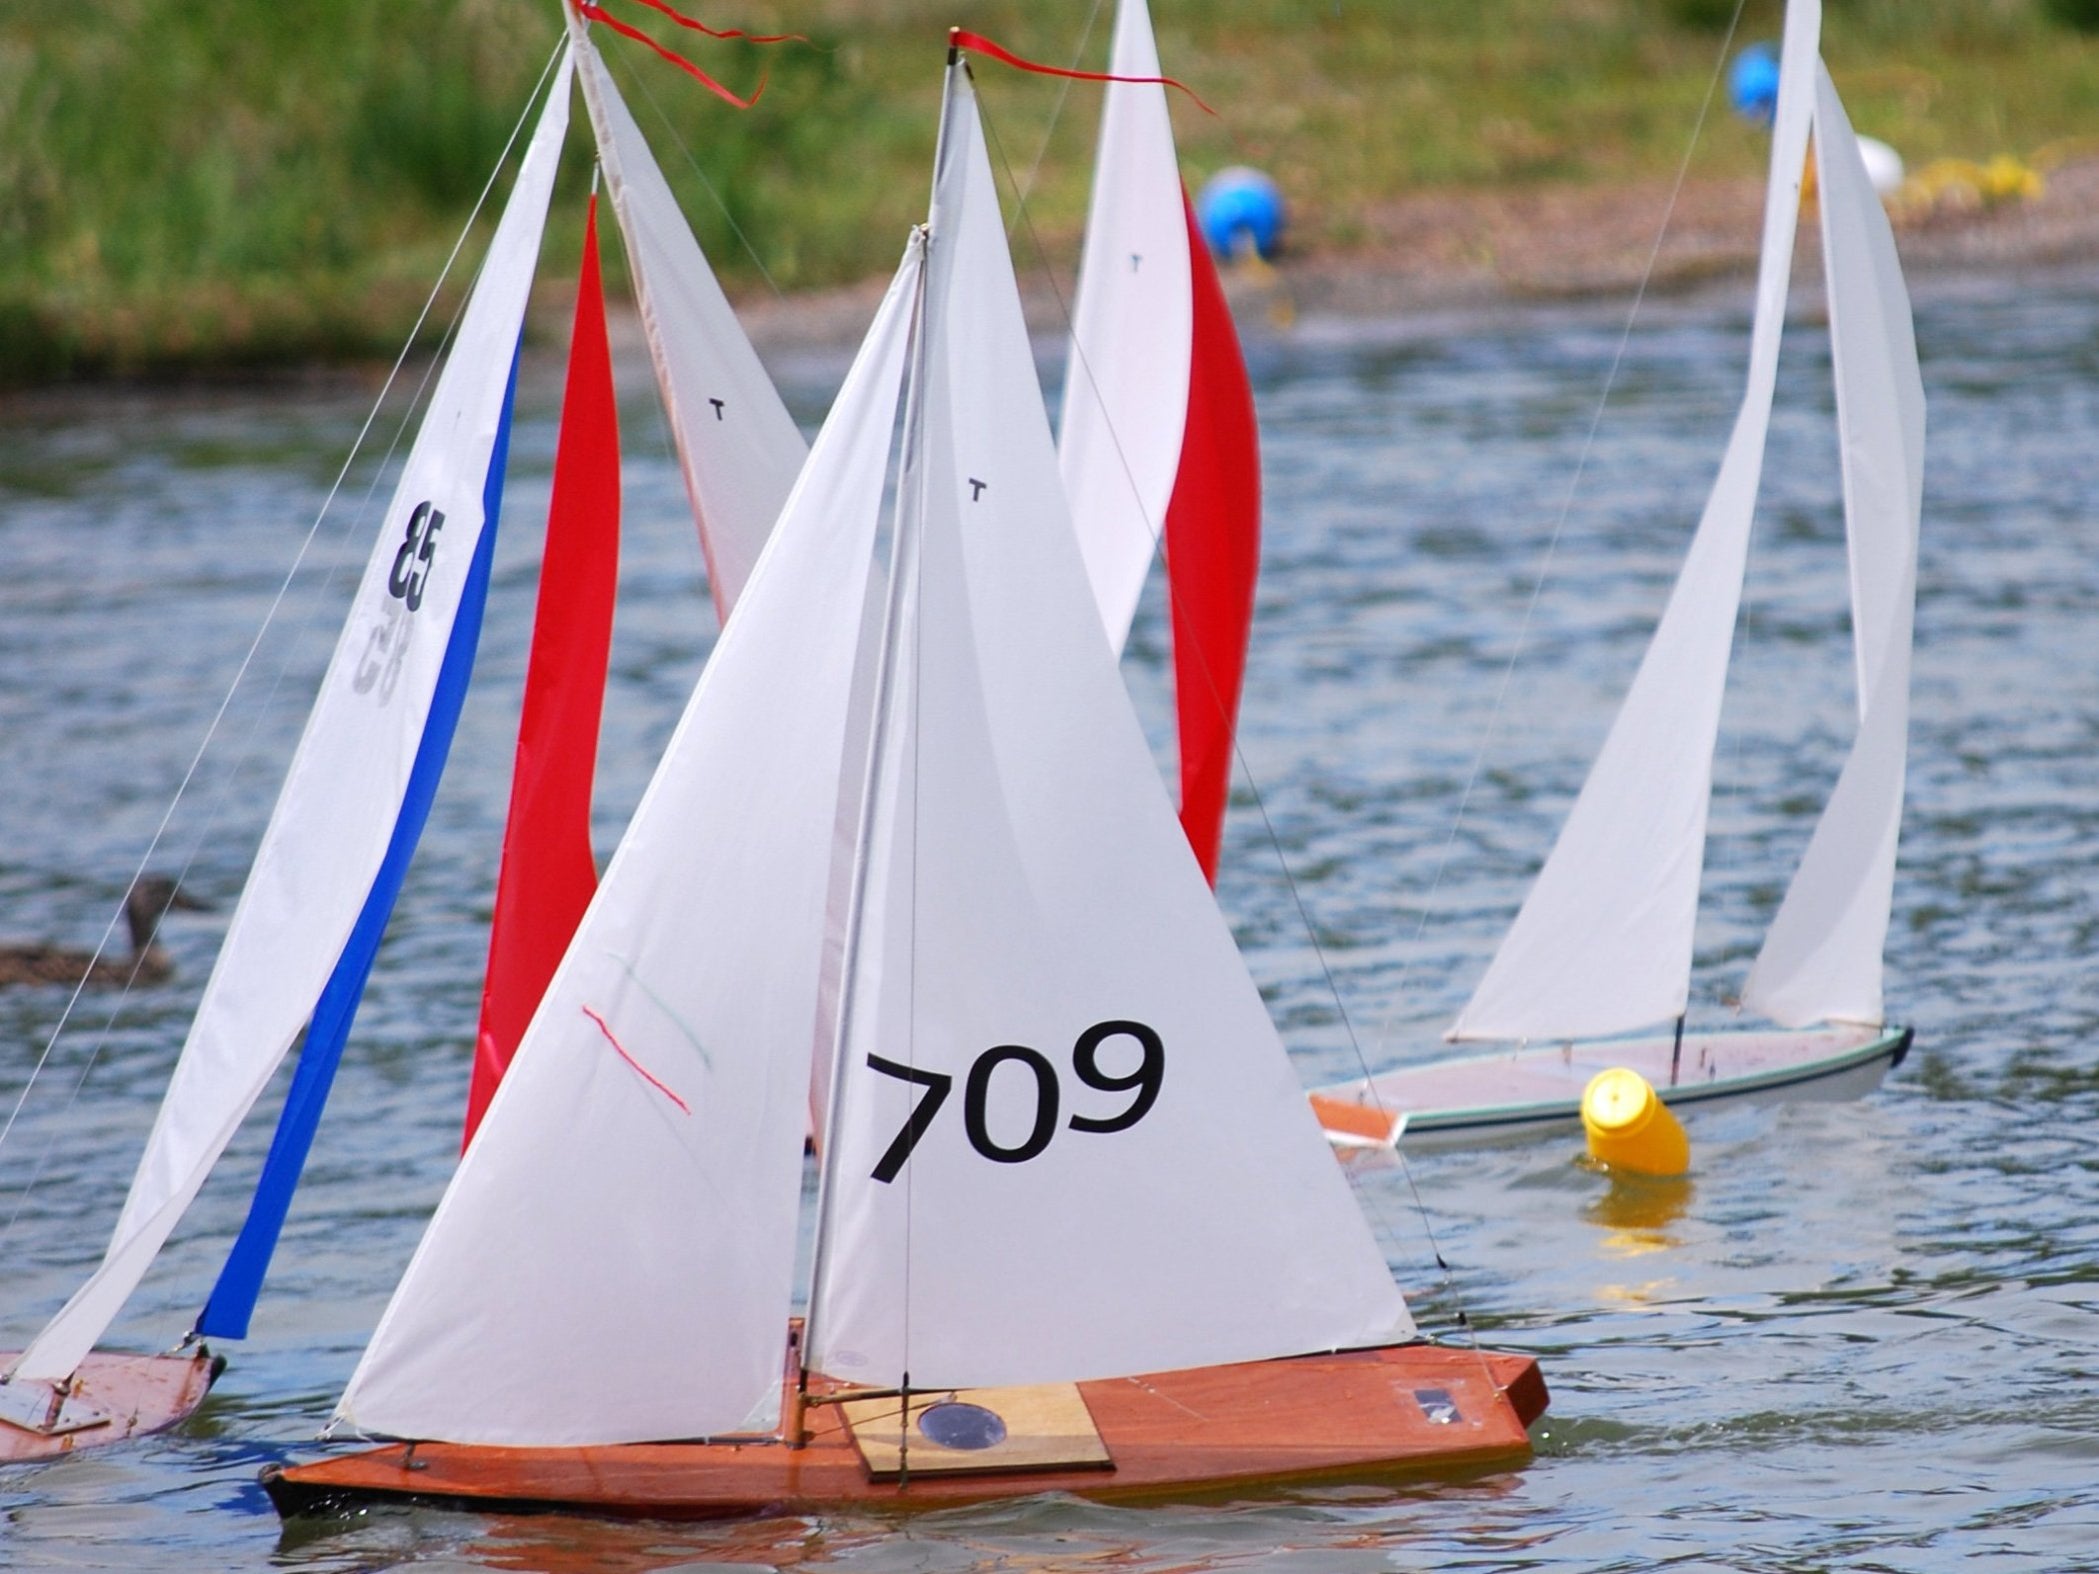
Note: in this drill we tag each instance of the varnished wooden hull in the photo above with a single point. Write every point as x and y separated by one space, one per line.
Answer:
113 1397
1357 1415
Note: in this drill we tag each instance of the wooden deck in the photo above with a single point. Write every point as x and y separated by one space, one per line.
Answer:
1377 1414
113 1397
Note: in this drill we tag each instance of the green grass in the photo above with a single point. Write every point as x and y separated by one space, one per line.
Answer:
190 184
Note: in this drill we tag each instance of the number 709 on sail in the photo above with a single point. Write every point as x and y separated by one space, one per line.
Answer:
1142 1084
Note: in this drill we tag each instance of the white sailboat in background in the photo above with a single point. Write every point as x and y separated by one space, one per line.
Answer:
301 941
1048 1060
1603 943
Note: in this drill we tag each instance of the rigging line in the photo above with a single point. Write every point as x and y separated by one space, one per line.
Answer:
246 751
1253 786
685 150
1492 729
245 755
1022 190
298 559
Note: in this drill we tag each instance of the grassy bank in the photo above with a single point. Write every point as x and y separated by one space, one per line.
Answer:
206 183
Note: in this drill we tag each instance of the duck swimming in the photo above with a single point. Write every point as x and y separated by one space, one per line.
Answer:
150 897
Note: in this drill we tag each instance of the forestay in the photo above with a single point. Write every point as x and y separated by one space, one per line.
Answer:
1055 1064
738 448
342 803
1822 957
613 1259
1603 942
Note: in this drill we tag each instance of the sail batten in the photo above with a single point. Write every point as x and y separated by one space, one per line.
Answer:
340 808
1603 942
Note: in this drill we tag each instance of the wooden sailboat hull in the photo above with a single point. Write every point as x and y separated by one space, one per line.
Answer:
1510 1095
1376 1414
113 1397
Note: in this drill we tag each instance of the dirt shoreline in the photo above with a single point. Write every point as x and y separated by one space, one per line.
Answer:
1427 256
1437 252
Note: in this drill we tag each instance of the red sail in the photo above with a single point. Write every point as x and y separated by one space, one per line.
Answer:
1213 553
548 872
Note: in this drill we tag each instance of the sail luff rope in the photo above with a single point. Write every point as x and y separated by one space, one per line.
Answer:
1492 730
269 616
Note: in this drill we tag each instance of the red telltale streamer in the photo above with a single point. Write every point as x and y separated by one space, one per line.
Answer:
721 32
960 38
598 13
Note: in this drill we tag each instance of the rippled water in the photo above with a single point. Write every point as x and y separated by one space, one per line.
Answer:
1862 1336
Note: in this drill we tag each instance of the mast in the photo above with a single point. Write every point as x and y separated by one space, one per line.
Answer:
910 504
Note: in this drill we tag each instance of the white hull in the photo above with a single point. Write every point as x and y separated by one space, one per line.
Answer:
1510 1095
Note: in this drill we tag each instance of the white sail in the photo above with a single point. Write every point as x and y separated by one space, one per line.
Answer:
739 449
1040 972
613 1261
1822 957
1603 942
1126 379
336 814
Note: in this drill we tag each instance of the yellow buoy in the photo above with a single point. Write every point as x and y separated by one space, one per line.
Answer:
1629 1126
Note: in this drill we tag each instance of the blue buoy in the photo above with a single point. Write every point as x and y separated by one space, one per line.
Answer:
1752 84
1240 209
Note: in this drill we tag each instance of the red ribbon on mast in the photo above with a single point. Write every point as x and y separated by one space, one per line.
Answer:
722 32
961 38
597 13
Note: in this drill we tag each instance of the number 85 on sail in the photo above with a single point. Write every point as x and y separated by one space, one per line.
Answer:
1142 1084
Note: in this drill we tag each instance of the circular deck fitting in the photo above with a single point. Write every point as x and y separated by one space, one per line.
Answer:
964 1426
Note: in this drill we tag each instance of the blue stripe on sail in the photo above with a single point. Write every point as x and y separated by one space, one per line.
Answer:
226 1314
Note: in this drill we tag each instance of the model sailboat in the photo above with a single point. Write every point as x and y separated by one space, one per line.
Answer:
1042 1261
1603 943
302 940
1158 443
